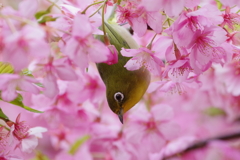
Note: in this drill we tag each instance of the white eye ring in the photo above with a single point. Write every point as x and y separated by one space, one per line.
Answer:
118 96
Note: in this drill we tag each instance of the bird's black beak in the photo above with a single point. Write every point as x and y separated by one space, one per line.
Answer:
120 115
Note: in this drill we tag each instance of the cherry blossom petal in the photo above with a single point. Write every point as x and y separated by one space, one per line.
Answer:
98 52
129 52
50 85
29 144
132 65
154 20
139 26
81 26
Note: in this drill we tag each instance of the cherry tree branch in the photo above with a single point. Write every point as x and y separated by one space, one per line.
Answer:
203 143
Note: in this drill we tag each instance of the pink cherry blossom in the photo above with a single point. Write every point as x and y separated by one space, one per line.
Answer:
143 57
172 7
179 70
139 17
177 85
235 38
20 129
230 77
114 143
29 143
52 69
82 45
188 23
5 143
11 82
230 3
206 48
26 136
21 47
230 19
152 128
165 45
28 8
173 147
191 47
112 58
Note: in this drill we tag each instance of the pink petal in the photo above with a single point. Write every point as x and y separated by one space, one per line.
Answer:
66 73
173 7
50 85
179 63
30 79
154 86
154 20
28 8
9 93
98 52
81 26
37 131
231 3
183 36
29 144
76 53
9 88
5 78
162 112
169 130
139 26
28 87
113 57
214 16
132 65
163 45
151 5
33 33
130 52
192 3
18 59
219 35
39 48
81 59
71 48
179 144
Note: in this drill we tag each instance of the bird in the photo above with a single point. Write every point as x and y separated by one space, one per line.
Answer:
124 88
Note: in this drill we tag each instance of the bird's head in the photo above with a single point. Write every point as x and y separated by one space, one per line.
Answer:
123 95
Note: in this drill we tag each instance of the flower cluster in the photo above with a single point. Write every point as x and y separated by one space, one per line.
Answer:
48 55
17 136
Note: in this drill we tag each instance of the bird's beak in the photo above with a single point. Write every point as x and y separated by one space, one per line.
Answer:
120 115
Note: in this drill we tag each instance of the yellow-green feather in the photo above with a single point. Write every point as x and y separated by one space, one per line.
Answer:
116 77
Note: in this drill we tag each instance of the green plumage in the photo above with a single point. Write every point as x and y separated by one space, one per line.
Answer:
132 84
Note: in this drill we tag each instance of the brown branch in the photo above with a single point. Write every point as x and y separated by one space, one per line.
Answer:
203 143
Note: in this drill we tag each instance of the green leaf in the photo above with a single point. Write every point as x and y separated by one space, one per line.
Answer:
219 4
6 68
214 111
78 144
119 1
40 156
39 14
26 72
18 102
39 84
47 19
31 109
3 116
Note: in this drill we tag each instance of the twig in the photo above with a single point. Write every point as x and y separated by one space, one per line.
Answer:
203 143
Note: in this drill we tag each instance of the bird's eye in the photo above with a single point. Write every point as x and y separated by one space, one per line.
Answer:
118 96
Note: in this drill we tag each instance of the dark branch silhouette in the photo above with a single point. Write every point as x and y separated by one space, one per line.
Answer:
203 143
